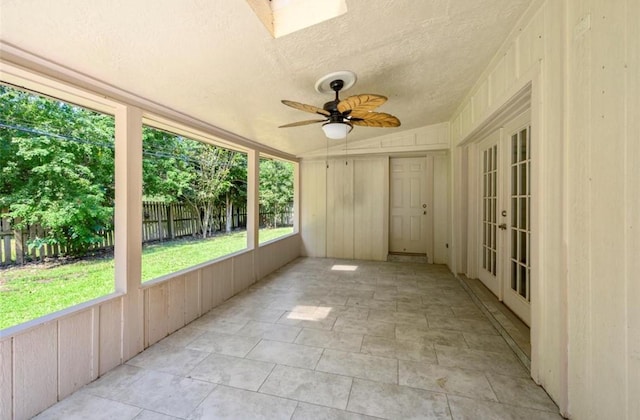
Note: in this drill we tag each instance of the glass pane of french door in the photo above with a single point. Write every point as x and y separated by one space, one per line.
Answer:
520 225
489 208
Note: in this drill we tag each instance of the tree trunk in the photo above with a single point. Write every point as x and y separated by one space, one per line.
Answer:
229 220
206 216
195 211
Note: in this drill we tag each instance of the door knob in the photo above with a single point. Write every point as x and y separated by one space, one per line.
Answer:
503 226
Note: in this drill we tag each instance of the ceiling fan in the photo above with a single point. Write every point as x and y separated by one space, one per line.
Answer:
341 115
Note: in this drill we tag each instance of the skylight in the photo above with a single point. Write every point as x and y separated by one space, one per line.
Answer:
282 17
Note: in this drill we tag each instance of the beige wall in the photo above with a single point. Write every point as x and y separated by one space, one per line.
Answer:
603 207
345 207
581 59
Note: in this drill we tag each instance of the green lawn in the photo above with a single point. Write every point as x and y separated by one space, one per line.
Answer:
35 290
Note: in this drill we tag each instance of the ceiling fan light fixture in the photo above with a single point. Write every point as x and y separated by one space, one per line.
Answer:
336 130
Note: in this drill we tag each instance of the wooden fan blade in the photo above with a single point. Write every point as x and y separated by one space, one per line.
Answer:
307 108
299 123
374 119
361 103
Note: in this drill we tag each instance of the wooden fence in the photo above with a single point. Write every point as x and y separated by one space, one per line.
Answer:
14 248
160 222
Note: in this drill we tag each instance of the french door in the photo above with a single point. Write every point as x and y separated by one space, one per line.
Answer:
517 264
489 220
505 215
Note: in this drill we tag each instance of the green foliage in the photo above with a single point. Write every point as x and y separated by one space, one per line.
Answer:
276 187
166 169
56 163
205 176
57 171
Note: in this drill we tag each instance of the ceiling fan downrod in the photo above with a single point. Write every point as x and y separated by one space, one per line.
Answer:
332 106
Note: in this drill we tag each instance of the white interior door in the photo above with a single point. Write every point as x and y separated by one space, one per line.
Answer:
517 261
490 200
410 211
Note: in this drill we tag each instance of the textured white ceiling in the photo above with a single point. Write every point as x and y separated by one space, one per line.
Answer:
215 60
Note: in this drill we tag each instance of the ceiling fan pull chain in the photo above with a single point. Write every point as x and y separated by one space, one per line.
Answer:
326 160
346 148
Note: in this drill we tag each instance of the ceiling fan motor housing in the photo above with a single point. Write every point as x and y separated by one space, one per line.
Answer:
337 85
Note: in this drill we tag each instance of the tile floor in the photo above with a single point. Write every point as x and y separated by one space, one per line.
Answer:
316 341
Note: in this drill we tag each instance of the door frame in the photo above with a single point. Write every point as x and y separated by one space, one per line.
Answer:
474 199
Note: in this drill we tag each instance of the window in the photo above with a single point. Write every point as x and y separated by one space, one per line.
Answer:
194 202
56 205
276 199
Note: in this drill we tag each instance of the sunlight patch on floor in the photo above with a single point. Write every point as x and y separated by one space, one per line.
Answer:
303 313
339 267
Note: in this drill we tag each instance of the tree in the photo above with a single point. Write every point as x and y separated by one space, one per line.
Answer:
206 177
56 163
212 166
276 187
236 193
167 169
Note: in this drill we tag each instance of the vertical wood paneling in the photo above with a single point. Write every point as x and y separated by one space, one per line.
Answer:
481 100
607 112
77 350
369 208
511 69
466 119
157 313
498 80
110 335
222 274
36 370
6 379
525 51
270 258
243 272
313 217
340 216
192 289
632 152
530 43
206 291
579 371
176 304
549 156
277 254
455 130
